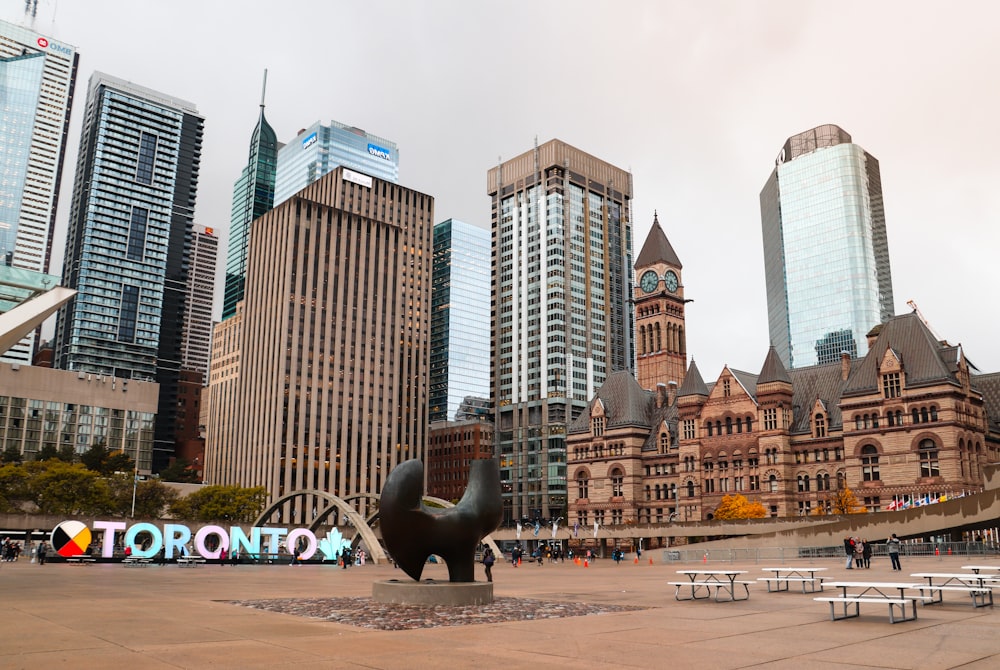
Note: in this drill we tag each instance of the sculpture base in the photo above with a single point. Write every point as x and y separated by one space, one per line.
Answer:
429 592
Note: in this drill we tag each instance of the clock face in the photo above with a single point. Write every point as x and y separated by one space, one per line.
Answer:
670 279
649 281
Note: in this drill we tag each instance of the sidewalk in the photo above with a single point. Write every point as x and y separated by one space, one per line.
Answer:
101 616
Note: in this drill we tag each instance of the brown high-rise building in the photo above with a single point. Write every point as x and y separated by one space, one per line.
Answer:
324 382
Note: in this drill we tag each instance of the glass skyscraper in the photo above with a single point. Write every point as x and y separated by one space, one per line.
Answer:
562 317
129 239
37 78
460 323
319 149
826 254
253 194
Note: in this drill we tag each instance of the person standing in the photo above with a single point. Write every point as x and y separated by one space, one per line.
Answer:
859 553
849 549
42 550
893 546
488 560
866 553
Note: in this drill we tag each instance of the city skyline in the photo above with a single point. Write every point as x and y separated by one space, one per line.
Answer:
703 97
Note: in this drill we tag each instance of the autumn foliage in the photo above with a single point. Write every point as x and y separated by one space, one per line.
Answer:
738 507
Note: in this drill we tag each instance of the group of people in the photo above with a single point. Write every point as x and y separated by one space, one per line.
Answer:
11 550
859 552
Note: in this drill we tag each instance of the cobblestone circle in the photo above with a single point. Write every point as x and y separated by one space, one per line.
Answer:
365 613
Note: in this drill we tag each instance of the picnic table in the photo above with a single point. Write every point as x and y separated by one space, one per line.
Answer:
892 594
136 562
974 584
806 576
987 568
723 581
81 559
190 561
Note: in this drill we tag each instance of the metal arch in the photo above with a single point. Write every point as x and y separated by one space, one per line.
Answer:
352 515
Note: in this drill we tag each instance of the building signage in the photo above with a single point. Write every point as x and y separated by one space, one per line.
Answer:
357 178
71 538
378 152
309 141
58 48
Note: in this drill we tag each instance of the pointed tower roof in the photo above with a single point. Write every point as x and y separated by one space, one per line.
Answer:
657 248
773 370
625 403
693 383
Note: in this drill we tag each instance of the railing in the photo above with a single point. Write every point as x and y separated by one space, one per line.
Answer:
771 554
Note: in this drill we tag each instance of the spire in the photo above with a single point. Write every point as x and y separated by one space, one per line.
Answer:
773 369
657 248
693 383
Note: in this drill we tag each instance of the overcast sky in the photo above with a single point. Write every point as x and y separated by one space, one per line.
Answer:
695 98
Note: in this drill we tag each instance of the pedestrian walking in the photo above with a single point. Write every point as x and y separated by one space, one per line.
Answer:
892 544
488 560
43 549
849 549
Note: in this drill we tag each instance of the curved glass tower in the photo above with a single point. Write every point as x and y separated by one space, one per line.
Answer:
253 195
826 255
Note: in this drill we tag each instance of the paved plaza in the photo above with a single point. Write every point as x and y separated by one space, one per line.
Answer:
605 616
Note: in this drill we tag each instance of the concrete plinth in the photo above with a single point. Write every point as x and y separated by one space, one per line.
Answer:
429 592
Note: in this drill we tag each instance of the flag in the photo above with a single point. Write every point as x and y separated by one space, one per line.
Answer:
555 528
576 529
892 506
538 527
519 530
595 528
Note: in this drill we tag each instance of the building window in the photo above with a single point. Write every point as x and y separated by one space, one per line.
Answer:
147 157
820 425
688 429
582 485
597 426
129 313
690 489
136 249
726 389
617 481
869 464
729 425
772 483
890 385
770 419
929 459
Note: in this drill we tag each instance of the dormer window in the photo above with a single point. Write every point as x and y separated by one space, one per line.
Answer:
890 385
819 424
597 426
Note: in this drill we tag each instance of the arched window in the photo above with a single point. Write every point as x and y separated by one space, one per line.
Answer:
708 427
664 442
729 425
718 427
772 483
929 459
739 424
642 340
658 491
924 418
916 415
690 489
673 491
649 492
582 485
934 413
659 344
617 479
874 420
820 423
857 422
869 464
749 424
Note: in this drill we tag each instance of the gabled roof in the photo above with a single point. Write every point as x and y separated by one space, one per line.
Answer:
822 382
748 381
925 360
693 383
989 386
657 249
773 369
625 404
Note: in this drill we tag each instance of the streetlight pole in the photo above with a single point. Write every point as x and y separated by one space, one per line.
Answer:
135 478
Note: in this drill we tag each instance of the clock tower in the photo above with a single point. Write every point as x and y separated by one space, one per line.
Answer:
659 312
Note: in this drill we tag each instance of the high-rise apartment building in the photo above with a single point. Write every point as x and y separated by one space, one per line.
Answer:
562 318
253 194
826 254
460 322
199 298
319 382
319 149
129 238
37 79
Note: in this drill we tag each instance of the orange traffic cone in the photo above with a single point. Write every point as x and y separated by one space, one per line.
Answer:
949 551
650 561
636 560
585 563
937 552
704 559
519 560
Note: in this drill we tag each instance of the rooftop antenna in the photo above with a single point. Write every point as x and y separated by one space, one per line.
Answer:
263 89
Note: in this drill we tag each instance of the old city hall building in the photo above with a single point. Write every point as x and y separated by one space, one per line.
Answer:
910 421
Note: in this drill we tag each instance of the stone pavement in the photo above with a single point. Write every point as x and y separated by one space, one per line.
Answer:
605 615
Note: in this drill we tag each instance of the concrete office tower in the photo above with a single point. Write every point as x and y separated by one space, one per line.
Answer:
320 380
129 237
37 78
562 316
318 149
253 194
460 323
826 255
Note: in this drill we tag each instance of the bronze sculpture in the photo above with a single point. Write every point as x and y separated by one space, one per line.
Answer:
412 531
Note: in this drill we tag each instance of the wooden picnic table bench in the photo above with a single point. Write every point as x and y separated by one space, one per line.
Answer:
873 592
